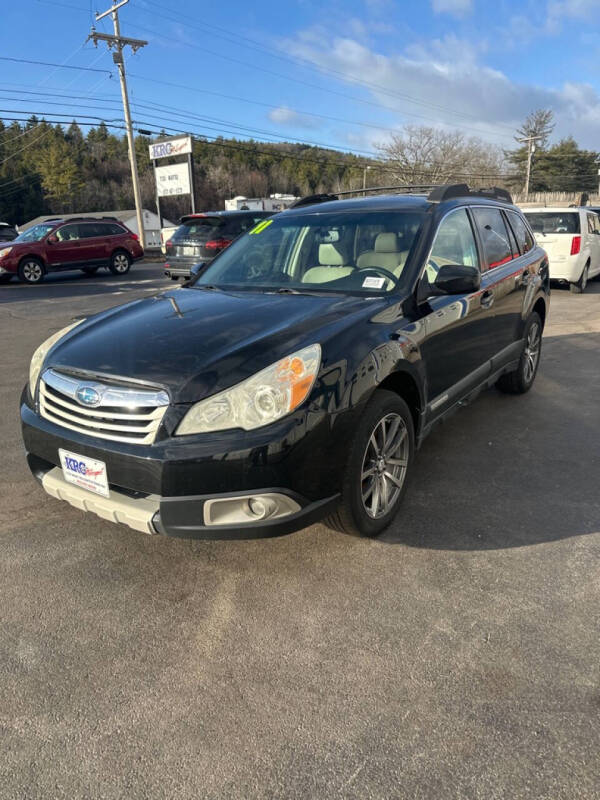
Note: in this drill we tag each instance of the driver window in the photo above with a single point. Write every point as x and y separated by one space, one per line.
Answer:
454 243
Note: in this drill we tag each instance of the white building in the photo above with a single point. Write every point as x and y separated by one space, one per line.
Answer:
275 202
128 218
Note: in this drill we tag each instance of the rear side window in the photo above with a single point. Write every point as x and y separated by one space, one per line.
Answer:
592 223
521 231
88 230
554 221
494 236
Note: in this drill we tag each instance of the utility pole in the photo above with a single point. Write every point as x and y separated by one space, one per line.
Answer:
365 168
530 151
118 42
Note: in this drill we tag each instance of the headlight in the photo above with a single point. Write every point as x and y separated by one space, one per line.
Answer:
263 398
5 251
37 359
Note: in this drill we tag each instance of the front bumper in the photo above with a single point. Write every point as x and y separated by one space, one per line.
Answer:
164 487
182 517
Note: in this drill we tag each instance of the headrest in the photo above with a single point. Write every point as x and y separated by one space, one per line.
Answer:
330 256
386 243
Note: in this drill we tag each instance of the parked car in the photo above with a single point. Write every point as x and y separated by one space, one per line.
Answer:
7 232
571 237
165 235
201 237
85 243
293 379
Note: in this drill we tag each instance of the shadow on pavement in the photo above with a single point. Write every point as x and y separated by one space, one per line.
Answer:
59 286
512 471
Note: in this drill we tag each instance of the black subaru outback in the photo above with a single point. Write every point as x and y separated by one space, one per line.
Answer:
292 379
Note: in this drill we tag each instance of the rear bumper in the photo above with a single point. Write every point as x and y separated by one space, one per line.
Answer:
569 269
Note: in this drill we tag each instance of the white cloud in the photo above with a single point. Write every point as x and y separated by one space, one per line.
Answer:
444 81
457 8
290 118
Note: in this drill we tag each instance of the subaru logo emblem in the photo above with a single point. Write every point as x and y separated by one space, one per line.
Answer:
87 396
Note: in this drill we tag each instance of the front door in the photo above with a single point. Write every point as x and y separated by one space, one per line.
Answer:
454 350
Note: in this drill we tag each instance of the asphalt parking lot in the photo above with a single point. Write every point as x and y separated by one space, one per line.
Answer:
458 657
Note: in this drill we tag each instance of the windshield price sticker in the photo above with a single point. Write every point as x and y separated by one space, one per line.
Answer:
261 226
373 283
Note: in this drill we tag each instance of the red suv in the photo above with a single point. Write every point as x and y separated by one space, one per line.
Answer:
85 243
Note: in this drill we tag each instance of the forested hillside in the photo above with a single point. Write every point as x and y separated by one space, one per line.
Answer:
50 169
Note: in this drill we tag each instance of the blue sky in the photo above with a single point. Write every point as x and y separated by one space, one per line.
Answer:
346 74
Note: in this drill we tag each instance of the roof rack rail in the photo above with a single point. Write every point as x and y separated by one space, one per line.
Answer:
452 190
312 199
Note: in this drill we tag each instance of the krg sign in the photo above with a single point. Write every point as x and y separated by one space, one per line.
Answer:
171 147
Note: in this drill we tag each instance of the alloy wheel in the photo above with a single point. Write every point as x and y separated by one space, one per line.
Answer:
532 352
384 465
32 272
121 262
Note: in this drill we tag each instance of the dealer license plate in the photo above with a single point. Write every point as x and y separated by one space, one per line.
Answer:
87 473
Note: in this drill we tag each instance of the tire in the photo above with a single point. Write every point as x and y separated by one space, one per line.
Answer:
120 262
5 279
521 379
580 286
90 270
365 487
31 270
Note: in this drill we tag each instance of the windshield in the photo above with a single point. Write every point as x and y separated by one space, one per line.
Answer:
554 222
34 234
356 252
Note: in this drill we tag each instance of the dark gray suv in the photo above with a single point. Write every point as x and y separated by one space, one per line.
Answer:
201 237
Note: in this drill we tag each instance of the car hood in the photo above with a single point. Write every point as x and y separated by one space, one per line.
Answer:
196 342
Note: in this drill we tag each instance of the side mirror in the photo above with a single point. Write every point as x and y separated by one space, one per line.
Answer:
52 239
195 270
456 279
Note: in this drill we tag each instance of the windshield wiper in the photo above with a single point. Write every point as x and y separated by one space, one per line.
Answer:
208 286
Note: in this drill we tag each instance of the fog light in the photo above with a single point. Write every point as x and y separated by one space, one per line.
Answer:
248 508
261 507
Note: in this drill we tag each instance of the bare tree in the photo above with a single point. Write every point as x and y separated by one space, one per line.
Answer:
538 123
424 155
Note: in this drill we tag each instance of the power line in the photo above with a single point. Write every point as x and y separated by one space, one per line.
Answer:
234 38
51 64
254 66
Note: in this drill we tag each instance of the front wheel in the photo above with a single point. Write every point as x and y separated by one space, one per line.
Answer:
378 465
521 379
31 270
120 262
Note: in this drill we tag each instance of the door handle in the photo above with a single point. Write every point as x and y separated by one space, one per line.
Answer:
487 299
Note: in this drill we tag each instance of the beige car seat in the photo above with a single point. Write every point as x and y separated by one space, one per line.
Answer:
332 266
386 255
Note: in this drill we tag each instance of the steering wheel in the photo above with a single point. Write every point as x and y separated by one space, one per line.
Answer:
385 272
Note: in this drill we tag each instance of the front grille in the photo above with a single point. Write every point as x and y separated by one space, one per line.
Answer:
119 414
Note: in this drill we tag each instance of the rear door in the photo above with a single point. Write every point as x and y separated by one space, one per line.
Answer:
501 282
66 252
93 242
593 225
